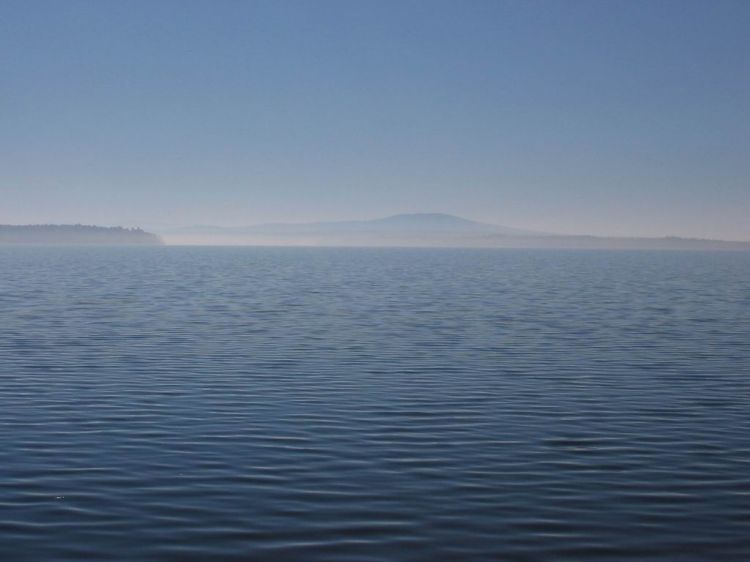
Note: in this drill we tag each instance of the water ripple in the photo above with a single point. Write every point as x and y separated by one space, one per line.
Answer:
368 405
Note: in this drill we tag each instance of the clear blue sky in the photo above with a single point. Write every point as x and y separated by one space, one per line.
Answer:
627 117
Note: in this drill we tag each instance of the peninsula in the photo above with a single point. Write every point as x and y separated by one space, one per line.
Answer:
76 234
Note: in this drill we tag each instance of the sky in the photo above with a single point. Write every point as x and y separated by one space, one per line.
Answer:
570 116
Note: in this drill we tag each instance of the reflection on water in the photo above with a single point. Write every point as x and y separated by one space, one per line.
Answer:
368 405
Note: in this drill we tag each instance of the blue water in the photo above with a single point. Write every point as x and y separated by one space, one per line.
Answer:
373 405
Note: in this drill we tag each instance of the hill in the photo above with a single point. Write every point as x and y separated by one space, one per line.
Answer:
424 229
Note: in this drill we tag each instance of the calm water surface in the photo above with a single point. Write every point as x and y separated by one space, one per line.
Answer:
373 405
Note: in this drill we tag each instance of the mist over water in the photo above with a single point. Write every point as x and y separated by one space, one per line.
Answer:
360 405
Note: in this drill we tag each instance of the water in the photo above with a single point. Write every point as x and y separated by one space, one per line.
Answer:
370 405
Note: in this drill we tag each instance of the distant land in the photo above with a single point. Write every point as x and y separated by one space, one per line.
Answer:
75 234
424 229
405 230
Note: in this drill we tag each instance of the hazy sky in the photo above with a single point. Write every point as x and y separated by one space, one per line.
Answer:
627 117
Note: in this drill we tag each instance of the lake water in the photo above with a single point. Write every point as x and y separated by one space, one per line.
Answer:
373 405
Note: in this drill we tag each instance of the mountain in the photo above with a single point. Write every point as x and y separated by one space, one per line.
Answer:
417 229
422 229
75 234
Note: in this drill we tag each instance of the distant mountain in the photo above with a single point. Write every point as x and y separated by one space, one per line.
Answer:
404 229
75 234
422 229
437 222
